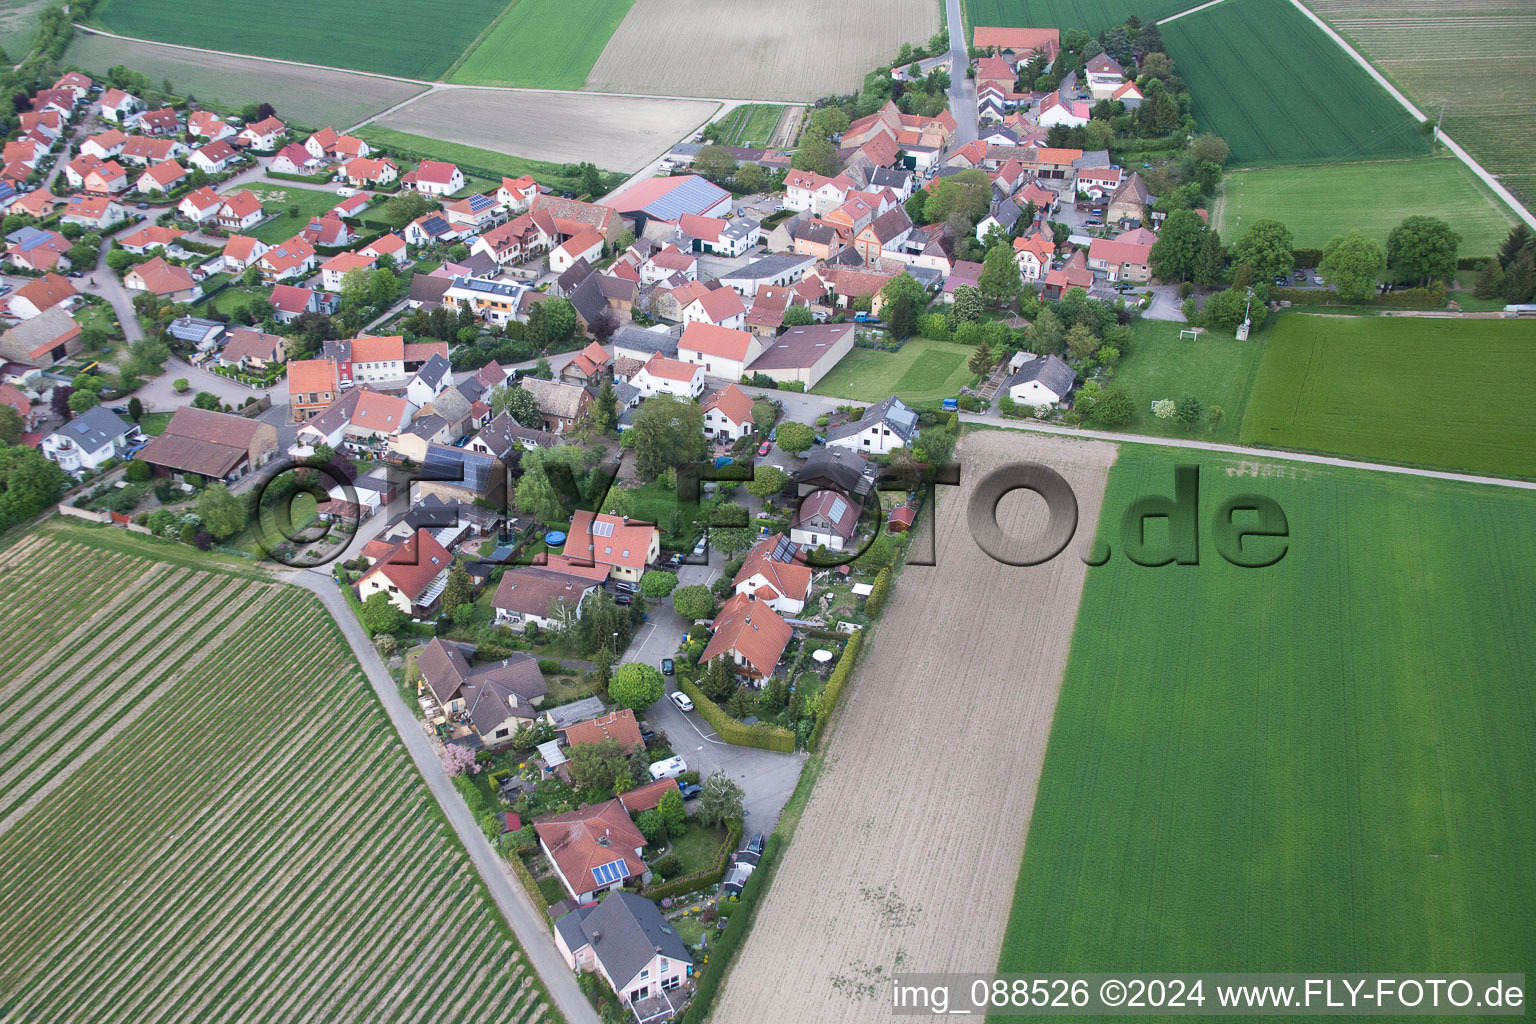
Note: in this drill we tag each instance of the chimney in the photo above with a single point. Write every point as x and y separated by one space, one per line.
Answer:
596 936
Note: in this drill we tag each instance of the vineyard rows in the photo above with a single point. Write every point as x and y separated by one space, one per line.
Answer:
204 815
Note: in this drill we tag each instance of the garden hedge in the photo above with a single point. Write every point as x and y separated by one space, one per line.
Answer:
835 683
724 947
699 879
760 735
531 887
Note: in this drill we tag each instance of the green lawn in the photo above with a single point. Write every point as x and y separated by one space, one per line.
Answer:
152 424
698 849
655 502
923 373
550 44
1313 766
1318 202
1457 394
232 300
1215 368
392 37
277 199
413 147
750 125
1093 15
1303 102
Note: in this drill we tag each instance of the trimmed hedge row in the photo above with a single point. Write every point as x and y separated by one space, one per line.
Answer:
877 593
760 735
1432 297
724 947
531 887
834 687
699 879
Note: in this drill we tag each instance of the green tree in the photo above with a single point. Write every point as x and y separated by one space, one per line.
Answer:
636 685
1422 249
537 493
668 433
817 155
80 400
1113 407
605 411
968 307
551 323
673 812
591 180
380 616
693 602
767 480
1224 310
652 826
720 801
459 590
657 583
751 177
1082 342
718 680
11 429
206 400
406 207
714 163
1177 249
764 413
981 360
795 437
1352 263
901 318
903 284
1267 246
1046 335
1214 415
1518 238
999 279
1490 281
119 260
1209 149
519 403
223 514
1211 267
384 287
135 409
1189 410
597 765
798 316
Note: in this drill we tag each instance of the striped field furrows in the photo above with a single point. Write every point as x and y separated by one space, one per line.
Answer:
205 816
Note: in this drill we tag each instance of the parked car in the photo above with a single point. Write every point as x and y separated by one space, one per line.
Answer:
773 435
753 851
690 789
626 587
1124 286
5 289
765 448
671 768
680 698
701 546
346 191
668 666
623 600
1317 279
77 273
820 439
141 206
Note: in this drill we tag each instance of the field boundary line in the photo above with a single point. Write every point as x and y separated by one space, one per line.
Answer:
1392 90
1247 451
1192 10
474 44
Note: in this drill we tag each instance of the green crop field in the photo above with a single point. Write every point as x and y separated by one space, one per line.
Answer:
750 124
550 44
391 37
1318 202
1313 766
1092 15
1478 58
924 372
473 160
279 199
1215 367
1303 102
205 814
1456 394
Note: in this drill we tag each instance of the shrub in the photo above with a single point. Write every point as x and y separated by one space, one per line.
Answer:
834 688
667 867
759 734
877 594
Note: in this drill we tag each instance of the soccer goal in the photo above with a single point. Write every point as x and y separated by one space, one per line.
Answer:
1193 333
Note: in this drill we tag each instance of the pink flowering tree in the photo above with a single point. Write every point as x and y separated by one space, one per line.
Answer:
457 760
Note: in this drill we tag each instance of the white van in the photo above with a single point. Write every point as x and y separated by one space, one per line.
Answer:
671 768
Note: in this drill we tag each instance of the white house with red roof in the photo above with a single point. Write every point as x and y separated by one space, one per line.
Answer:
334 269
435 178
1055 111
1121 260
159 122
774 576
516 194
593 849
721 351
1098 182
625 546
201 205
104 146
264 134
295 159
120 107
370 171
721 307
584 245
213 157
663 376
161 178
241 210
208 125
751 634
412 576
807 190
1033 253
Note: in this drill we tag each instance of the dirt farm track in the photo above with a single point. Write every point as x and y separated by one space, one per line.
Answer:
797 50
895 870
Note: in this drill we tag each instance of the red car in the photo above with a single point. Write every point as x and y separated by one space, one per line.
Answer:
765 448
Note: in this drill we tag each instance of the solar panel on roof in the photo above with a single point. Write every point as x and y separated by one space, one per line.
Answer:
839 506
785 549
480 202
602 529
607 874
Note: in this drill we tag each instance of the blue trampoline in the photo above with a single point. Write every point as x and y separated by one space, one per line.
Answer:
554 537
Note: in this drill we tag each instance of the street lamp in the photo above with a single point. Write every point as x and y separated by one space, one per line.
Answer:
615 643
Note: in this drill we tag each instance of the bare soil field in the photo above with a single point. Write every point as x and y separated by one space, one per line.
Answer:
896 869
794 51
621 133
308 96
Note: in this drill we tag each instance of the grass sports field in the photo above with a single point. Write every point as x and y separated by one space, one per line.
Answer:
1317 203
1215 367
1478 57
1455 394
550 44
470 156
1306 102
282 199
923 373
205 814
750 124
412 40
1093 15
1311 766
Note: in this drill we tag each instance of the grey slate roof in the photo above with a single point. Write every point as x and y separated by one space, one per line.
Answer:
769 267
194 329
428 290
434 370
630 931
576 711
1050 371
426 426
892 411
639 340
852 472
503 432
95 429
890 177
475 470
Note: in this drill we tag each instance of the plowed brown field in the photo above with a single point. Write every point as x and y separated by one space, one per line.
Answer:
909 849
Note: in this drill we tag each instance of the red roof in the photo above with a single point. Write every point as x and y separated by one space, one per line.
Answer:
732 402
753 630
619 726
413 564
581 841
610 540
711 339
